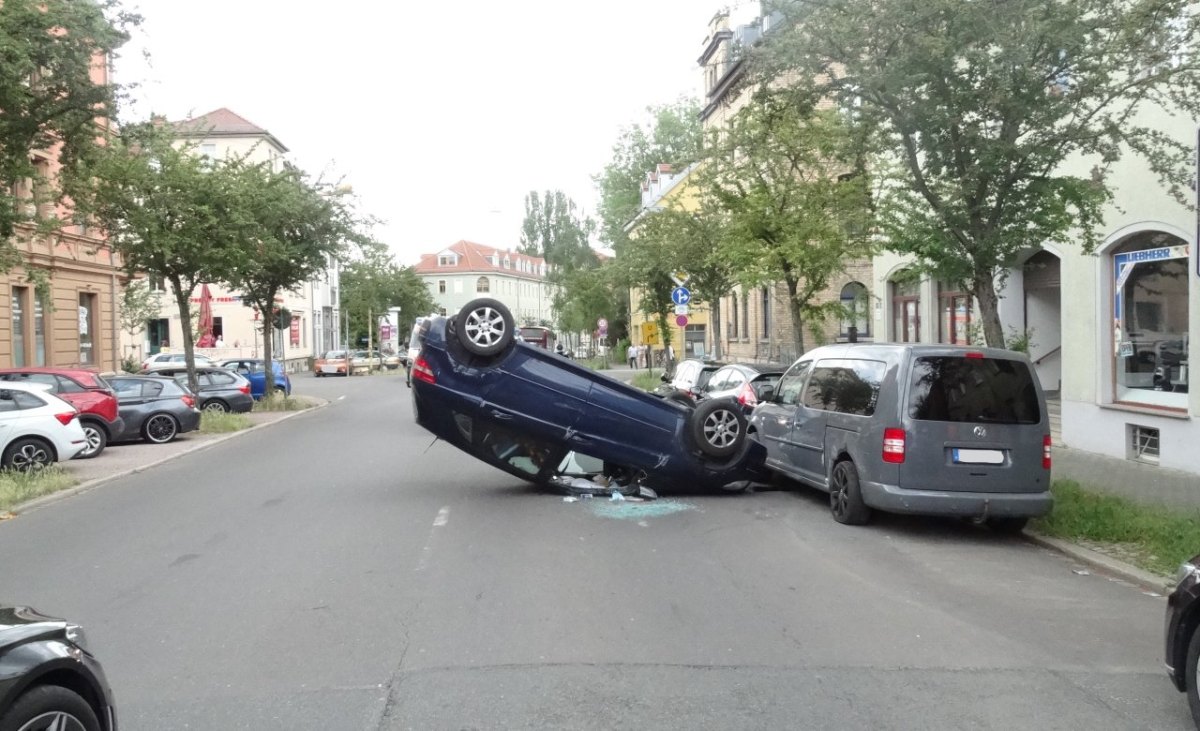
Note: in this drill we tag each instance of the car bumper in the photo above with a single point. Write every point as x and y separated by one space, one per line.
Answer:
189 421
116 428
893 499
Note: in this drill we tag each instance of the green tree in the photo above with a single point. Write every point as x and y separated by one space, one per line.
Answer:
554 231
49 103
980 105
168 212
295 229
796 205
372 283
139 305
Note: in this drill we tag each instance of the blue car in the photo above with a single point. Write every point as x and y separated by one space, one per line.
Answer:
545 419
253 370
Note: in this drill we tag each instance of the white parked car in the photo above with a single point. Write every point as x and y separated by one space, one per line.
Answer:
37 428
164 360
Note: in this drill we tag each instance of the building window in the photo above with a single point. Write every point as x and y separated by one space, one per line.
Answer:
733 322
39 332
1150 320
20 296
955 316
906 310
157 284
209 149
441 286
766 313
855 315
482 285
744 329
87 329
446 260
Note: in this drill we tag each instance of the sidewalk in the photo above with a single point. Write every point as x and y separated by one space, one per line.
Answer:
123 459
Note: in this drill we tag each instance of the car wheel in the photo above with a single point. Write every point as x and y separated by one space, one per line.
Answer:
47 707
281 392
97 440
845 496
1008 526
28 454
485 327
217 406
160 428
718 427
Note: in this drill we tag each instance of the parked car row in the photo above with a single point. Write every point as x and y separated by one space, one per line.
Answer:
355 362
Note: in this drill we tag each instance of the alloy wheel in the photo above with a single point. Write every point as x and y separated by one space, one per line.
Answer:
485 326
31 456
95 440
838 500
216 407
54 721
160 428
721 428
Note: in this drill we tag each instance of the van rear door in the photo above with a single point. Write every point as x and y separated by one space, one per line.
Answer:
975 423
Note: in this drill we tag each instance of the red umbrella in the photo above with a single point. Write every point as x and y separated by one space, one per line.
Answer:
206 319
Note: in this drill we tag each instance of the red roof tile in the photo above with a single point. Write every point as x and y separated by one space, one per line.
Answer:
222 123
473 257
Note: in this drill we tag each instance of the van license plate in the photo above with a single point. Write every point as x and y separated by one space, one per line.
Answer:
978 456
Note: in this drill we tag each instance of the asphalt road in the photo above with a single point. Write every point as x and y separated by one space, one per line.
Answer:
339 571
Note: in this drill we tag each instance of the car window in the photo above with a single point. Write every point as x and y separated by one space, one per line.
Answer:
66 385
46 378
718 380
847 386
151 389
12 400
685 373
221 379
791 384
958 389
735 379
126 388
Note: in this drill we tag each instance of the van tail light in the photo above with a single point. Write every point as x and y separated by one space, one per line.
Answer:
189 400
747 398
1046 452
422 372
893 446
65 417
245 389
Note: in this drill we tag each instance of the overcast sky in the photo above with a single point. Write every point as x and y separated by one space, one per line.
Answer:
442 115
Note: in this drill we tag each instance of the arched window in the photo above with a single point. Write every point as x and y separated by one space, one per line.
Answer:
855 311
482 285
1150 319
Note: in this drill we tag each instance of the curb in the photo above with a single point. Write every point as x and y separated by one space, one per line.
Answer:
83 487
1104 564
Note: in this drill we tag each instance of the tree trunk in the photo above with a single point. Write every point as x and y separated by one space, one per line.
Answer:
370 338
984 288
796 310
268 331
183 301
716 328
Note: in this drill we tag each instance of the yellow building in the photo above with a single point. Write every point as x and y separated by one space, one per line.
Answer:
665 189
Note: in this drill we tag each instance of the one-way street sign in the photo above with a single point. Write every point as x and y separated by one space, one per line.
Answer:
681 295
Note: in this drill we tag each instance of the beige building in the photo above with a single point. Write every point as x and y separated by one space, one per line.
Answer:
756 322
316 319
71 318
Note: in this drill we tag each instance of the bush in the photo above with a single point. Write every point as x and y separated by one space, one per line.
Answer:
129 364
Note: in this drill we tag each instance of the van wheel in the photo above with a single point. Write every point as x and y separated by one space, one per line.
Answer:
718 427
485 327
845 496
1007 526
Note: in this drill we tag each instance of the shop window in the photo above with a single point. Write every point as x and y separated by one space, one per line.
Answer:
855 315
1150 320
954 315
906 310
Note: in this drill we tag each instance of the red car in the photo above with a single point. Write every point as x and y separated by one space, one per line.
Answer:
87 391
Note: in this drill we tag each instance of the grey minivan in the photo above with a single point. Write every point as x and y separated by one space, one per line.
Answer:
923 429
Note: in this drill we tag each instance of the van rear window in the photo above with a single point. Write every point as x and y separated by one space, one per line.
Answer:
986 390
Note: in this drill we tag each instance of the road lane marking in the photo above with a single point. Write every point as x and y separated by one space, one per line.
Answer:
443 517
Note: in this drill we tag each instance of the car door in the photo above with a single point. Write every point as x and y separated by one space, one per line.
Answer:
838 386
773 419
131 405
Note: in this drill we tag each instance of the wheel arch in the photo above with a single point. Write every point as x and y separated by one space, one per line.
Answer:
96 421
62 673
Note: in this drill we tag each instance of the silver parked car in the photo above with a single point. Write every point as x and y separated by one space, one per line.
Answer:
924 429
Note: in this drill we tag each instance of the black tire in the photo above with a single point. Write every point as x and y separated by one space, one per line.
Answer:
97 440
1190 679
845 495
216 405
718 427
320 374
49 707
160 428
485 327
1007 526
28 454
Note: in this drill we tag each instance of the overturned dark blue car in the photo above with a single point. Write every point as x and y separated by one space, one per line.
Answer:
544 418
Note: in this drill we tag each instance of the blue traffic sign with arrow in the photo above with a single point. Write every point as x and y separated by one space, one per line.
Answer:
681 295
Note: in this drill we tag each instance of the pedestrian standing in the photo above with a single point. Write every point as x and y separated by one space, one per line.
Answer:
631 354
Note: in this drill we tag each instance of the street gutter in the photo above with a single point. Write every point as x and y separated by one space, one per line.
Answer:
1103 564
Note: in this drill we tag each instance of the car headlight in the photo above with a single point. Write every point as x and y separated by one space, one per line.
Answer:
1185 570
76 635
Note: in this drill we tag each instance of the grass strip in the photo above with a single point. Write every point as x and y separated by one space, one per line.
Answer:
277 402
218 422
1155 538
647 380
17 487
